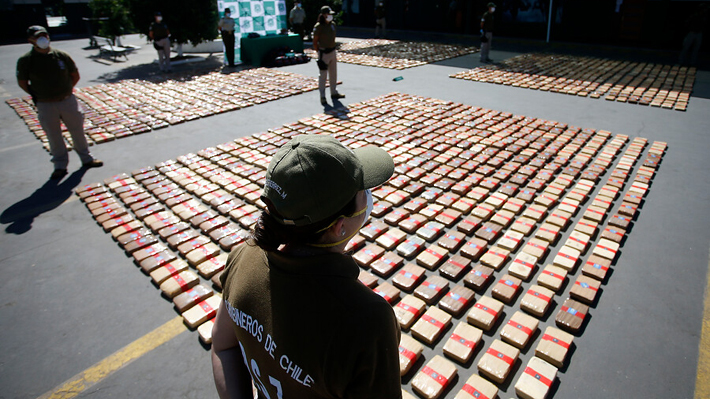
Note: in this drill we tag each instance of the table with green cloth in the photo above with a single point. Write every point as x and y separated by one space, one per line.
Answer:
254 49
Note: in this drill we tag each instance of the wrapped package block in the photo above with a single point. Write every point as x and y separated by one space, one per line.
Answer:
522 266
469 224
455 267
179 283
606 249
431 325
485 312
596 267
495 257
578 241
367 255
167 269
462 342
477 387
409 352
433 288
149 264
566 258
554 346
387 264
191 297
587 227
571 315
457 300
367 278
489 232
506 288
552 277
519 330
615 234
524 225
585 289
498 360
391 238
536 380
434 377
202 311
410 247
474 248
432 257
387 291
212 264
537 248
408 277
408 310
205 331
537 300
479 277
511 240
548 232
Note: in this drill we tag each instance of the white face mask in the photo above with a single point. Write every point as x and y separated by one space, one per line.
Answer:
493 9
158 19
370 206
42 42
329 18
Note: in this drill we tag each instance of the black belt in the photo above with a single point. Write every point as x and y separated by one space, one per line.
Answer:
327 50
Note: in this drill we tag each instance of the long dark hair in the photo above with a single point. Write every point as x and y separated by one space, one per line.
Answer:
269 234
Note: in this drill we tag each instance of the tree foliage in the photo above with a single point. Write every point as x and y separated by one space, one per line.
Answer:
118 14
192 21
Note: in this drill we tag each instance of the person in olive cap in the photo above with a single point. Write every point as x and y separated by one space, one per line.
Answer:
487 32
295 319
324 45
160 34
49 76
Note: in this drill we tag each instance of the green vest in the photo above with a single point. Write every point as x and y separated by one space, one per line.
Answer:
310 326
49 74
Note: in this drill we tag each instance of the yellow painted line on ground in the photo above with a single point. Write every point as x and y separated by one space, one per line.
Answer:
91 376
702 380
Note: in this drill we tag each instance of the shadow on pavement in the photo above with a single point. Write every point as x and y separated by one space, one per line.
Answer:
20 215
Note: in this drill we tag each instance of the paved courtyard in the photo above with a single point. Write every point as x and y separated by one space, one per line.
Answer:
71 296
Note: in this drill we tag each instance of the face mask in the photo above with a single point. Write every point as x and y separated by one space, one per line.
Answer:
226 14
42 42
298 5
370 206
493 9
329 18
158 19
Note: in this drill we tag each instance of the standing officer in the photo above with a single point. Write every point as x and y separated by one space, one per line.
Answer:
324 45
49 76
226 29
160 34
487 32
296 17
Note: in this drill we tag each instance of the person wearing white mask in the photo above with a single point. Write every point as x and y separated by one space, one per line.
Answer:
160 34
487 32
297 17
226 29
295 320
324 45
49 76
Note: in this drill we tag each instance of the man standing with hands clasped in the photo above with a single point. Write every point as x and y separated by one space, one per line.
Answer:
49 76
226 29
487 32
324 45
160 34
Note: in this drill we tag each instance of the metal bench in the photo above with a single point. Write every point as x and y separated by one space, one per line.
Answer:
106 46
